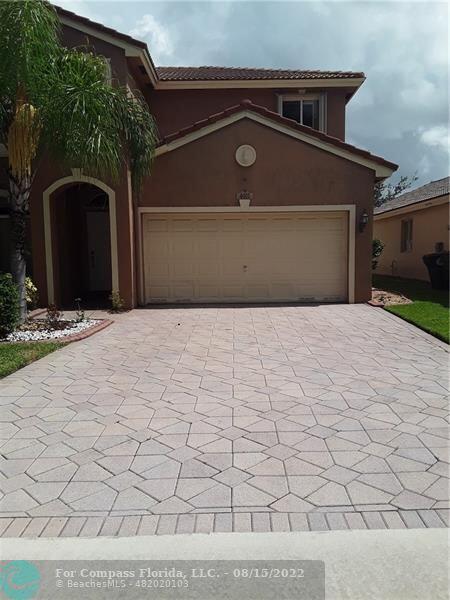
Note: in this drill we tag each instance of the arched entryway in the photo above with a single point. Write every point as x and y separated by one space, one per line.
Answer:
80 241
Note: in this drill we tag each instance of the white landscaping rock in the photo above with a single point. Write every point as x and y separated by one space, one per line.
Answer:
50 334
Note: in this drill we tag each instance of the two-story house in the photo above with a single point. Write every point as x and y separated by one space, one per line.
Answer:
254 195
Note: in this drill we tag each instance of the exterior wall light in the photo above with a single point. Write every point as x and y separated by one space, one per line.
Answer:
244 198
363 220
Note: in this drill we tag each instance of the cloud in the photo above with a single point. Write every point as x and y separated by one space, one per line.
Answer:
157 36
436 136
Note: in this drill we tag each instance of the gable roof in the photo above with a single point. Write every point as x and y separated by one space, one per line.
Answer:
431 190
208 73
246 109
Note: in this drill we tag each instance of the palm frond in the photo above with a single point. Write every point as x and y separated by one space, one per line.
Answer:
28 41
61 98
81 124
140 135
93 125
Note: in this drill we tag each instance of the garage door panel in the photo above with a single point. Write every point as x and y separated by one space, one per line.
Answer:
208 270
232 247
205 246
235 258
157 246
209 292
232 291
230 224
207 225
181 247
156 225
181 225
182 270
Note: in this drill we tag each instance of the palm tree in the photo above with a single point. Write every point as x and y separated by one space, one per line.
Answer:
58 101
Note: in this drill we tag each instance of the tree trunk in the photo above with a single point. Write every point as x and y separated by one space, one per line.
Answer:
19 195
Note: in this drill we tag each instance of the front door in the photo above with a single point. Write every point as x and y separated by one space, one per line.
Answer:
99 251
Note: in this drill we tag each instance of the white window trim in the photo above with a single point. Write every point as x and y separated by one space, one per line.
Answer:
302 96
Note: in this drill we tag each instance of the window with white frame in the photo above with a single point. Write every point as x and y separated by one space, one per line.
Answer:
306 110
406 234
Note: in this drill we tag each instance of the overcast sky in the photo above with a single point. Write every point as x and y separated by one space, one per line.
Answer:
400 112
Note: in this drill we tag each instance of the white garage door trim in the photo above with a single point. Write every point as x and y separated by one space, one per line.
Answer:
349 208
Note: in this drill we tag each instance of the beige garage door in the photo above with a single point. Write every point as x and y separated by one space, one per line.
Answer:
252 258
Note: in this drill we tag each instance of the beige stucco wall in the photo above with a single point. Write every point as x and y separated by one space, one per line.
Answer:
430 225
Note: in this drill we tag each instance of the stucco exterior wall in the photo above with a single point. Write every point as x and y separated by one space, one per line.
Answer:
336 113
72 38
176 109
286 172
205 174
49 172
45 177
430 225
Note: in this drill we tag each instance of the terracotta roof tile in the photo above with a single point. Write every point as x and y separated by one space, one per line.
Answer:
431 190
248 105
242 73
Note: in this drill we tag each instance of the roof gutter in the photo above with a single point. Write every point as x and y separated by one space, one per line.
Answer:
352 82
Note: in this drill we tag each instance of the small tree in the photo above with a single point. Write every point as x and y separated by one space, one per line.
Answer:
377 249
58 100
385 191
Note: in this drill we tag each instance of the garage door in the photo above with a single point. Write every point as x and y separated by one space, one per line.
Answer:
292 257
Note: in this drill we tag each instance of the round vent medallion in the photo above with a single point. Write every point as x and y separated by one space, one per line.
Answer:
245 155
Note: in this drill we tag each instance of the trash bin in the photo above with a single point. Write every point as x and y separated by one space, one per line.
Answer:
437 264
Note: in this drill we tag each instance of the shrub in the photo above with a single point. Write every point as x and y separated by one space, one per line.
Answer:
9 305
377 249
117 303
31 293
53 317
80 315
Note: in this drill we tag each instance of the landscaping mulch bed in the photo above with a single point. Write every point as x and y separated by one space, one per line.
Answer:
38 330
386 298
66 330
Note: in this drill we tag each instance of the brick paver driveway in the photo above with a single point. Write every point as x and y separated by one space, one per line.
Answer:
200 419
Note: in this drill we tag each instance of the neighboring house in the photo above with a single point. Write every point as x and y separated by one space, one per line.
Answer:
414 224
254 195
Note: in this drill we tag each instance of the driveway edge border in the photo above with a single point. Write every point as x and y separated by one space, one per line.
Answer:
413 328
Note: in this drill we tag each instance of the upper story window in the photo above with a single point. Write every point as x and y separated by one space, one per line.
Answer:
406 237
306 110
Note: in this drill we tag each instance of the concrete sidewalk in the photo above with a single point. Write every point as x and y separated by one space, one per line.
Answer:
359 565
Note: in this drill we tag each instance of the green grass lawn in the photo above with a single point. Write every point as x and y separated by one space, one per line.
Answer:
429 309
16 355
